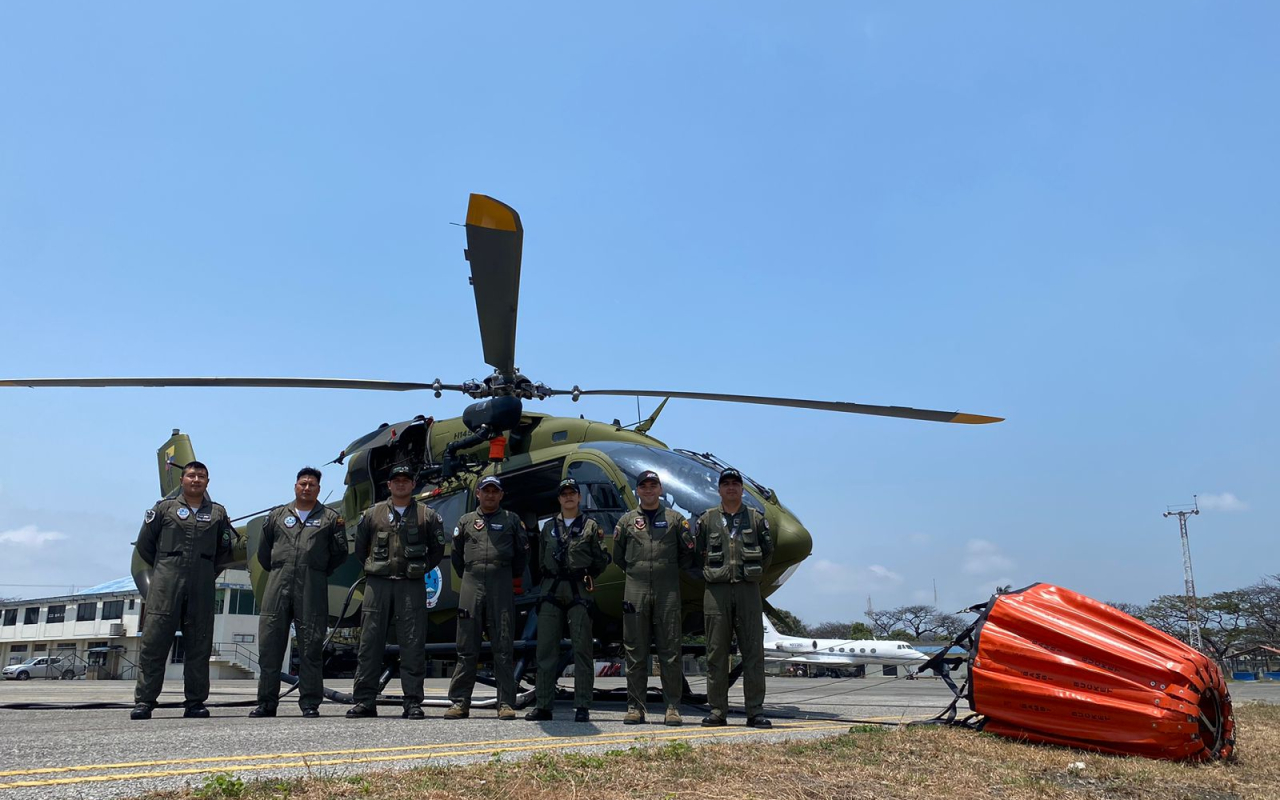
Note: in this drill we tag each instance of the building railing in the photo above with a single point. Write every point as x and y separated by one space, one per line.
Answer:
237 653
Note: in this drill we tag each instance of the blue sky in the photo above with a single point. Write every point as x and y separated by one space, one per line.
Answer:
1062 216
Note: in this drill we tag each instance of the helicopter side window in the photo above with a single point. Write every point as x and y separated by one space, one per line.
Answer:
450 508
601 500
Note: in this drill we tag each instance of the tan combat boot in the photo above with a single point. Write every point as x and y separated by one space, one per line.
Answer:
635 716
506 712
673 716
457 711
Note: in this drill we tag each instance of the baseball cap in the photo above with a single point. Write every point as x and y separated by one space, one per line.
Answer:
648 475
730 474
489 480
404 470
569 483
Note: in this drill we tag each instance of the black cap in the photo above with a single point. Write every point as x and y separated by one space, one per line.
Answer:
569 483
404 470
730 474
489 480
648 475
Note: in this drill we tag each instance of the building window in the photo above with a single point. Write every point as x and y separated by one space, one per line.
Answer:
86 612
113 609
219 601
17 653
11 616
56 614
242 638
243 602
65 646
131 602
97 659
39 648
30 616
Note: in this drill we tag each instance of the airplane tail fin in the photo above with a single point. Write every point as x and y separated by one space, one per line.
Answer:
170 458
769 631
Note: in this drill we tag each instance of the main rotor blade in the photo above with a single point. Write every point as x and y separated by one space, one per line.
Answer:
819 405
495 241
271 383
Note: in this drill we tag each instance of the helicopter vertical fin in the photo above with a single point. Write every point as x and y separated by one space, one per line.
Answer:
170 458
644 426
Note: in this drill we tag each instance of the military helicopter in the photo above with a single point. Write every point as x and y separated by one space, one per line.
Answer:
531 452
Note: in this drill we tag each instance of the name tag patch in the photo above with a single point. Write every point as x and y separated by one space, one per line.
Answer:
204 517
660 523
312 523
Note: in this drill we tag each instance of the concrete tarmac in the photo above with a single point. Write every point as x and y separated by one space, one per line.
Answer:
100 753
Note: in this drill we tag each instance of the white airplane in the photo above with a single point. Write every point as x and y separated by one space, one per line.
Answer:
837 653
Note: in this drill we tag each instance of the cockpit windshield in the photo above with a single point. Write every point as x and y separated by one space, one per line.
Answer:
688 485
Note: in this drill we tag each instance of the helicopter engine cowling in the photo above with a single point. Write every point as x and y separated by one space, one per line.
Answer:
495 414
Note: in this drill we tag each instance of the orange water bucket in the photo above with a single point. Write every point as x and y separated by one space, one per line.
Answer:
1049 665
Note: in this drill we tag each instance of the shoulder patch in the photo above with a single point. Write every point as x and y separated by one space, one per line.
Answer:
150 516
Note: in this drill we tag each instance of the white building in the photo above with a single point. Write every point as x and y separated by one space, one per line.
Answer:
100 630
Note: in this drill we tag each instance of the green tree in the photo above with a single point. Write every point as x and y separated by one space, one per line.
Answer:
830 630
861 630
787 624
918 622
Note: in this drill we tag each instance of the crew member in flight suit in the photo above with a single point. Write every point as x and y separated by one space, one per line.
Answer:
489 553
572 555
302 544
734 547
185 540
652 545
399 541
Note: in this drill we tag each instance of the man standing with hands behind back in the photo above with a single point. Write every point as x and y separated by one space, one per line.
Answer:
652 545
489 553
734 547
302 544
399 541
185 540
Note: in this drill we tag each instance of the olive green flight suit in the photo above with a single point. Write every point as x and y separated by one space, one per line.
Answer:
300 556
569 555
652 556
489 550
397 552
185 546
734 550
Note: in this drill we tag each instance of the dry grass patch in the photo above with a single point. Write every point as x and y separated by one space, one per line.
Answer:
867 762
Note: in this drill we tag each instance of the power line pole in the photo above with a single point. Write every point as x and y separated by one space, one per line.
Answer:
1193 616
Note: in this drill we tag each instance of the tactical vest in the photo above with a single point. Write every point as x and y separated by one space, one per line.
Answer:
397 548
732 554
572 551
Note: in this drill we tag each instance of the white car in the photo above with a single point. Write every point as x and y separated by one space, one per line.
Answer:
51 667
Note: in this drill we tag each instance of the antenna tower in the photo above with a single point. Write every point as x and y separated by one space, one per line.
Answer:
1193 616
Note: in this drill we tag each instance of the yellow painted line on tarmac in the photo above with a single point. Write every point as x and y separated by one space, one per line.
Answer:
363 756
